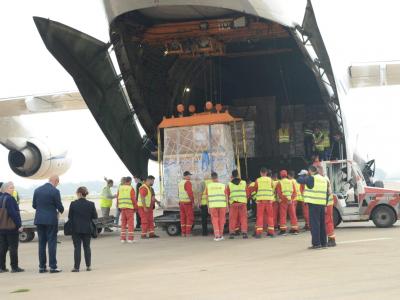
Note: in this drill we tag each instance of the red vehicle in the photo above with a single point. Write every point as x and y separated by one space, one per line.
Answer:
355 200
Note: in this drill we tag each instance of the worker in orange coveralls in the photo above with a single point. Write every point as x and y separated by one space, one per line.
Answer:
329 224
286 191
145 205
237 192
265 200
186 204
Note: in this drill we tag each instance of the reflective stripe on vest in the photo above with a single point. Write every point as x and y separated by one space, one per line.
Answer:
237 192
308 132
286 188
283 134
183 195
264 190
319 141
204 195
147 200
216 195
316 195
104 200
124 197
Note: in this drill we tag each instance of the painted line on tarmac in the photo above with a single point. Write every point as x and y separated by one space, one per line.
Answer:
367 240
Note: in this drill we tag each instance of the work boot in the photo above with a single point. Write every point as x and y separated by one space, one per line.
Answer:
319 247
294 231
74 270
245 236
17 270
237 232
144 237
331 242
4 270
257 236
306 227
282 232
232 236
271 235
153 236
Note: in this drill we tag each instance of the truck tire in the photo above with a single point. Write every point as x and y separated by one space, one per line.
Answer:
26 236
379 184
173 229
337 219
383 216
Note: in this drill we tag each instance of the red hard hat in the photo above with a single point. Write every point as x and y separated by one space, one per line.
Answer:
283 173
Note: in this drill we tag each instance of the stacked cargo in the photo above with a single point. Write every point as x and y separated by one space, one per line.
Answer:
200 150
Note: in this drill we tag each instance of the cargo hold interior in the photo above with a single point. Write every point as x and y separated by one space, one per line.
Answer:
261 77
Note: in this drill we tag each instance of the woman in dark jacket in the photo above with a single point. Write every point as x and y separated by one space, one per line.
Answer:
82 213
9 238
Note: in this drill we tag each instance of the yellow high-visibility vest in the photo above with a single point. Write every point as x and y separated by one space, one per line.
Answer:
204 194
319 141
253 192
237 192
286 187
265 190
274 184
147 200
284 136
106 197
216 195
183 195
299 196
124 197
316 195
326 141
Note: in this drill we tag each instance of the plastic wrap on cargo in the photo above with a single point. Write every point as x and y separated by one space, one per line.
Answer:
200 150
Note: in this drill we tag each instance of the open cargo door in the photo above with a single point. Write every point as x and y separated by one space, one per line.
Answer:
87 60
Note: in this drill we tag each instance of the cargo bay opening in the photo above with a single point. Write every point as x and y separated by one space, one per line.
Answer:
257 69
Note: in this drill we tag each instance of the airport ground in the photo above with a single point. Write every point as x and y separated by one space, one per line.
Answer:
364 265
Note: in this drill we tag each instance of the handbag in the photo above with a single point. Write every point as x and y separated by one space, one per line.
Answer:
68 228
94 230
6 223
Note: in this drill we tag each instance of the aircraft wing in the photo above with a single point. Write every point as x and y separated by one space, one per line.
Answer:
63 101
374 74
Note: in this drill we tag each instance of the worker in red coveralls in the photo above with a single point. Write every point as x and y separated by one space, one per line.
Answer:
329 224
186 204
286 191
265 200
126 203
237 192
304 205
145 205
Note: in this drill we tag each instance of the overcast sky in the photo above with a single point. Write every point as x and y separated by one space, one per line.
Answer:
353 30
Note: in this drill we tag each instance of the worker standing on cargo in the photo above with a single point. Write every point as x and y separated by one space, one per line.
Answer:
308 141
237 192
145 204
300 199
286 191
275 181
327 144
265 198
203 206
126 202
284 139
319 143
217 203
316 193
186 203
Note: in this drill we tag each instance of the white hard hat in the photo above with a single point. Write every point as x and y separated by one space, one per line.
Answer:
303 172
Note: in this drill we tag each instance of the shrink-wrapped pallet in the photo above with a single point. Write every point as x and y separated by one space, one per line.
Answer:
199 149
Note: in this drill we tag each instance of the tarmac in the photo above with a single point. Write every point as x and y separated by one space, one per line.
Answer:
364 265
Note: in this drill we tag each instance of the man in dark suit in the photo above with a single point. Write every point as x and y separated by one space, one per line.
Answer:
47 203
82 213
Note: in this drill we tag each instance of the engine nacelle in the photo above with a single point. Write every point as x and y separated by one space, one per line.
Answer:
36 160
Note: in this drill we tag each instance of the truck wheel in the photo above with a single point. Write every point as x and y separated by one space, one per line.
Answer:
383 216
336 217
173 229
26 236
379 184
